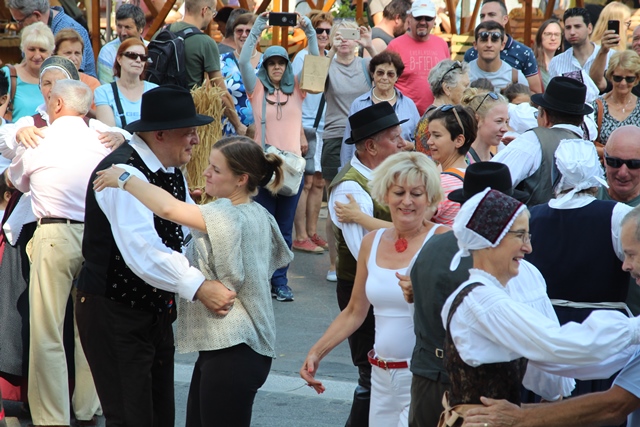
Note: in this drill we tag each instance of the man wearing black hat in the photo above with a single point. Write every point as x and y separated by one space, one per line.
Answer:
376 133
530 157
133 268
433 282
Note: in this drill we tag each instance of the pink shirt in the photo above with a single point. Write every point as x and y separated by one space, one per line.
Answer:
447 209
419 57
283 133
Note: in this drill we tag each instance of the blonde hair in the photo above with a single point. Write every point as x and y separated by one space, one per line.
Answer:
342 24
614 11
480 102
627 60
410 167
37 34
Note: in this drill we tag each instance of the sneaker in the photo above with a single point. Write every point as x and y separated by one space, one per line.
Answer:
306 246
282 293
319 241
331 276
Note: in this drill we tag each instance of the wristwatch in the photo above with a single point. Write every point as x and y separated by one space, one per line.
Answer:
122 179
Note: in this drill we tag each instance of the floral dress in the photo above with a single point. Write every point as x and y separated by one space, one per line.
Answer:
235 86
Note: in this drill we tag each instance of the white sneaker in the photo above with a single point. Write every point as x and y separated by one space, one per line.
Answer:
331 276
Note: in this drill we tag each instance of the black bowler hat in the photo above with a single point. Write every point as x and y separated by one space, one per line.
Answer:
373 119
481 175
564 95
167 107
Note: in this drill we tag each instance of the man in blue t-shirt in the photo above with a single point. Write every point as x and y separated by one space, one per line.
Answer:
514 53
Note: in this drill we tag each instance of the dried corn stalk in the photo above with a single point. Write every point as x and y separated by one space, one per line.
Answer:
208 101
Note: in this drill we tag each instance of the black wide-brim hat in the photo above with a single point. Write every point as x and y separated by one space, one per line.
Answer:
564 95
481 175
167 107
371 120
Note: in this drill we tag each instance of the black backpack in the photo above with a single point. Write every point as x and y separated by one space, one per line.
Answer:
167 63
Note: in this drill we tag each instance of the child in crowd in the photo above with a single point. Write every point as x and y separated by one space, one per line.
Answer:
517 93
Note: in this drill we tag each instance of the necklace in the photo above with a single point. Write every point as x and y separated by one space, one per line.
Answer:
624 107
402 243
373 92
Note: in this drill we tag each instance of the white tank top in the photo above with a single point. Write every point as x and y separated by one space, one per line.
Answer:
395 337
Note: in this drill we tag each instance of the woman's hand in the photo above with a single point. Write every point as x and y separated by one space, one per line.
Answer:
111 140
610 40
29 136
107 178
262 21
404 281
365 37
348 212
308 372
302 23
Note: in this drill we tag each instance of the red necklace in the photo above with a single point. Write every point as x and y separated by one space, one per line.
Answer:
402 244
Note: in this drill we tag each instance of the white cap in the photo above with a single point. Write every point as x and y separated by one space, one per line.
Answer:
423 8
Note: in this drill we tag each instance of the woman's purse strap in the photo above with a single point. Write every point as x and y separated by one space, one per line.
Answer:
263 119
599 145
13 76
116 97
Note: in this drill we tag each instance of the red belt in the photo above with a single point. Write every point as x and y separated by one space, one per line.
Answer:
384 364
2 414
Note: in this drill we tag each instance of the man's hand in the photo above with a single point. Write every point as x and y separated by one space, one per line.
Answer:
496 413
29 136
216 297
304 144
111 140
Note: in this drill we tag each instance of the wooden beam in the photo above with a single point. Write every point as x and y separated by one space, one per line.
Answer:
93 11
244 4
152 8
158 20
551 4
328 5
451 8
360 12
472 20
312 5
263 6
528 20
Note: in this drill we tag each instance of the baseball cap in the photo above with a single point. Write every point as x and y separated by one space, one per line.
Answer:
423 8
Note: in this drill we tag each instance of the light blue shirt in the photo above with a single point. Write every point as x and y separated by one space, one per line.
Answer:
628 380
103 95
106 59
62 21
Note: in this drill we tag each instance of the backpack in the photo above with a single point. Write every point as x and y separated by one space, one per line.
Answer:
167 63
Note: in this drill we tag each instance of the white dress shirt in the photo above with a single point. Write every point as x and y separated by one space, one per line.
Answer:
490 326
523 155
57 172
133 229
353 233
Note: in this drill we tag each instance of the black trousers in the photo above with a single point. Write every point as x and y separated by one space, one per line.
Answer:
224 386
360 342
130 353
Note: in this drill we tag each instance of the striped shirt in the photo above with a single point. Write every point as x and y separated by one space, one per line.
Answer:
447 209
566 62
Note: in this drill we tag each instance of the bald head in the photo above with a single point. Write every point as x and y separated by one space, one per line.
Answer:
624 182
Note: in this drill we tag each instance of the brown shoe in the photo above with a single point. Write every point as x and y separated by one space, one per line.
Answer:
88 423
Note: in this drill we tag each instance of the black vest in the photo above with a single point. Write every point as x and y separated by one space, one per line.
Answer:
572 248
105 271
493 380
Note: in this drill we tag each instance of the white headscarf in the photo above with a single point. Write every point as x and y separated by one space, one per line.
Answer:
483 221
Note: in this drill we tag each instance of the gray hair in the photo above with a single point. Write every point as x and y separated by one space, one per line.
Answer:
127 10
27 7
446 72
76 95
37 34
633 215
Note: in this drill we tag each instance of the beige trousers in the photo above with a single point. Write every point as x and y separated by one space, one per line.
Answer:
55 252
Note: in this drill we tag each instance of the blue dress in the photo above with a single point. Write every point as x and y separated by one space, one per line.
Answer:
235 86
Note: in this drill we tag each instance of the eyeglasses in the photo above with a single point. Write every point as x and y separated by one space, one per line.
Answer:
133 56
495 36
390 74
617 163
424 18
525 236
20 22
213 11
456 64
551 35
240 31
323 30
628 79
491 95
449 107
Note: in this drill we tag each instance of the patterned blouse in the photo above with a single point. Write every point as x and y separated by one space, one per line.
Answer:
235 86
609 124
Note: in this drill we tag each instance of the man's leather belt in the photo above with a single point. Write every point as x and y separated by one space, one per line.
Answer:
44 221
384 364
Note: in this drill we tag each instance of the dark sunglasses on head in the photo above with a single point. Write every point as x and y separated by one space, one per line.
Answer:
491 95
424 18
323 30
495 35
628 79
449 107
456 64
133 56
617 163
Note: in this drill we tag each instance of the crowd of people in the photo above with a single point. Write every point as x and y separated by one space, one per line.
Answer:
464 199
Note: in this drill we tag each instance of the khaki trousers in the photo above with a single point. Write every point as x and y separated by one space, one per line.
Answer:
55 252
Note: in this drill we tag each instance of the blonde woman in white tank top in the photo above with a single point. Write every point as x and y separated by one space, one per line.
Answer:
408 184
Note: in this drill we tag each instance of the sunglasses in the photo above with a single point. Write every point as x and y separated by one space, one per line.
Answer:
491 95
495 36
390 74
449 107
456 64
617 163
323 30
618 79
424 18
133 56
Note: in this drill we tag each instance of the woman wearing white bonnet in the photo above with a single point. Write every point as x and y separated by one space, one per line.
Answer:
490 336
589 249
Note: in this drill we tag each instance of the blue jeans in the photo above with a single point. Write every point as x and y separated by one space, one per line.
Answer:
283 209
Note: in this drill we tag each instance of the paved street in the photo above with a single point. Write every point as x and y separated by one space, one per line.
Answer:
285 400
